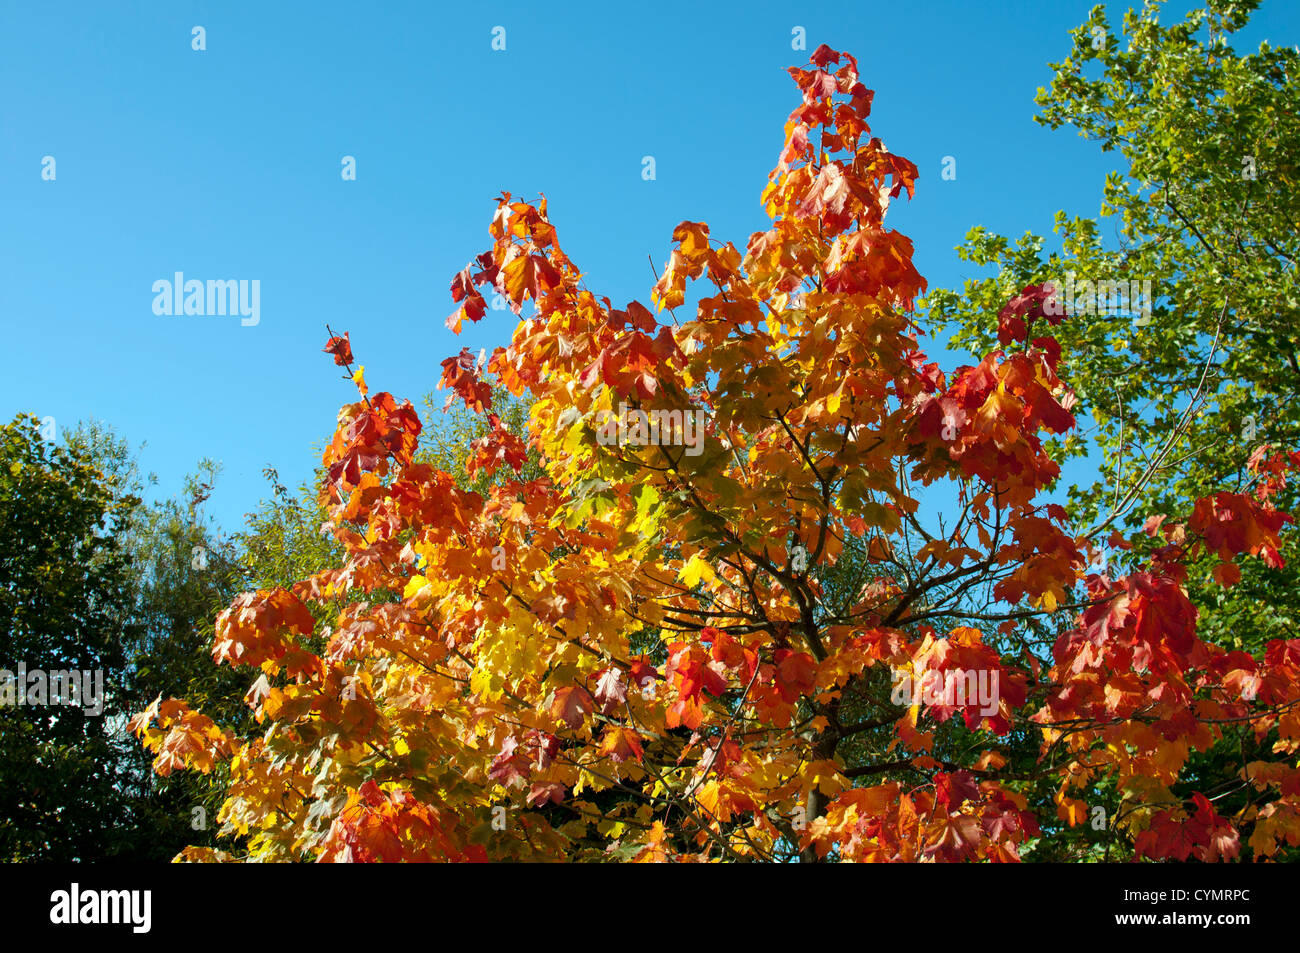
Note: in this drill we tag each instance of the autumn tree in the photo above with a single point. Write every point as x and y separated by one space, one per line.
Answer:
704 469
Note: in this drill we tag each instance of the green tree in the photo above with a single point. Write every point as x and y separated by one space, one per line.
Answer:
282 540
1207 206
65 605
1181 331
182 572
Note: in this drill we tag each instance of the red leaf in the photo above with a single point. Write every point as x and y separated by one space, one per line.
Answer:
795 672
619 744
341 348
570 704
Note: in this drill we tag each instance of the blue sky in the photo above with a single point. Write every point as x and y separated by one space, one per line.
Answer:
225 163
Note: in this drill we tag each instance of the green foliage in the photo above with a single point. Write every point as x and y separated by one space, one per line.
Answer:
1204 206
1178 399
449 434
182 574
65 604
282 540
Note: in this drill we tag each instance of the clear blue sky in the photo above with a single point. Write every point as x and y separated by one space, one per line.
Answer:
226 163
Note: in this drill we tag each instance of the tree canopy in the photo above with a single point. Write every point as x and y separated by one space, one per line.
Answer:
64 612
636 639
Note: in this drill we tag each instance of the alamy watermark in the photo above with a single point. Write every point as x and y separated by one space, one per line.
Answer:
75 688
955 688
77 906
633 427
1104 296
216 297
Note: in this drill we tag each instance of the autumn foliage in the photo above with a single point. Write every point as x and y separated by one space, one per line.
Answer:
635 657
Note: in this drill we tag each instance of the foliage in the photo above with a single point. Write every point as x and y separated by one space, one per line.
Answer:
479 693
179 574
1181 390
64 606
1207 207
282 540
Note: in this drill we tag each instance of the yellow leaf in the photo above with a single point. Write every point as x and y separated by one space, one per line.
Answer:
696 568
360 381
826 776
1071 810
1262 842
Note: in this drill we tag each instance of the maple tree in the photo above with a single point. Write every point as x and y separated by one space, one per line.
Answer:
638 654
